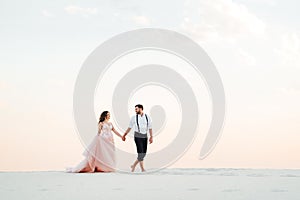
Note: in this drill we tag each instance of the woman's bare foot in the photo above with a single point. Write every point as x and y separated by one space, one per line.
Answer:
98 170
132 168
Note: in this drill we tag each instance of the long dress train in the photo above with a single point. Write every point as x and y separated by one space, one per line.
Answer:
100 154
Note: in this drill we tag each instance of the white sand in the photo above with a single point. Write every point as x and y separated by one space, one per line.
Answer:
185 184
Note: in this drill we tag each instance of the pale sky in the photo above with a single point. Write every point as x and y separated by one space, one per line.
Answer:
255 45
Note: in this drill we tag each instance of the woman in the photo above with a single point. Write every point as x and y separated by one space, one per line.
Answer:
100 154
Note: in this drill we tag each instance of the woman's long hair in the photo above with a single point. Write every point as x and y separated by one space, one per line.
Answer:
102 116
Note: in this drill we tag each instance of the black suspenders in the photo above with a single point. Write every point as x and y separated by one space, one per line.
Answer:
137 121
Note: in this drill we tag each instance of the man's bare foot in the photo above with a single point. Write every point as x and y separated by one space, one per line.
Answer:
132 168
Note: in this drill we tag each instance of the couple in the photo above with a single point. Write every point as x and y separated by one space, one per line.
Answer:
100 154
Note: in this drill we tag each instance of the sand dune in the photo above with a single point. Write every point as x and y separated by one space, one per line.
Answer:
164 184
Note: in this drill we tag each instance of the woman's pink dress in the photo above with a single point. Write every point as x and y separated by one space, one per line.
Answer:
100 154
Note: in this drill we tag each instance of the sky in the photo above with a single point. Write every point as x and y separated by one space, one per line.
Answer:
255 45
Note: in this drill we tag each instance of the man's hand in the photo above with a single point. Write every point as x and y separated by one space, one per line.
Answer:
124 137
150 139
126 132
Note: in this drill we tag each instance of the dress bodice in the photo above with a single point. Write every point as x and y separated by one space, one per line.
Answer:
106 127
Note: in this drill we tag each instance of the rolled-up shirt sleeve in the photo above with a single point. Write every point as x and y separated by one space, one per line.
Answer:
131 123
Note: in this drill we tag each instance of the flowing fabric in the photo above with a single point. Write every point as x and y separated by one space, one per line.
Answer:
100 153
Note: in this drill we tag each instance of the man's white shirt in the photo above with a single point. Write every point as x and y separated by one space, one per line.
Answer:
142 123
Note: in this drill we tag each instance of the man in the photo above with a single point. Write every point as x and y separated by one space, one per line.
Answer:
141 123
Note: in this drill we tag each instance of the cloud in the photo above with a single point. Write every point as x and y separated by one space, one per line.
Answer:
289 50
56 83
262 2
77 10
141 20
246 58
289 91
46 13
220 19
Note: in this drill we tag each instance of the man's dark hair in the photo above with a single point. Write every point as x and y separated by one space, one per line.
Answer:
139 106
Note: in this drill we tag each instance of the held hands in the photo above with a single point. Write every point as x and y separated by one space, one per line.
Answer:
124 137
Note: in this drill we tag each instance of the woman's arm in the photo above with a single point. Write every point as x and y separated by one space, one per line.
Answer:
115 131
100 127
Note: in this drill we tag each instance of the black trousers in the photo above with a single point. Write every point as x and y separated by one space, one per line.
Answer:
141 141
